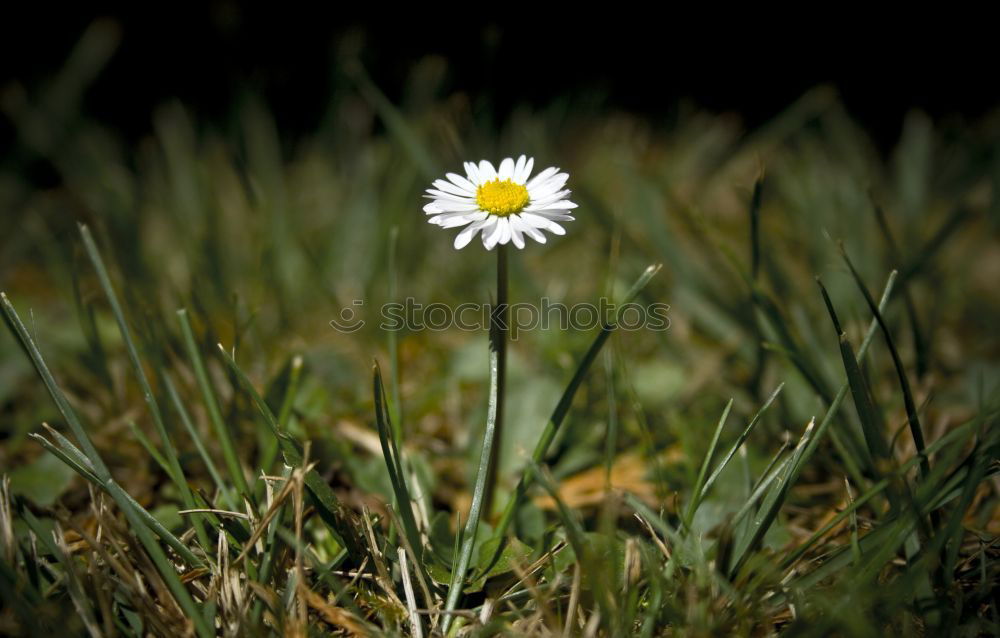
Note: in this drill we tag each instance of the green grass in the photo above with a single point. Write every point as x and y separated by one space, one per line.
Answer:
237 467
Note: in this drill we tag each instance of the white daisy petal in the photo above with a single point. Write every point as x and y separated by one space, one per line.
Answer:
445 220
517 238
454 222
539 179
555 215
501 204
542 204
486 172
556 228
547 187
436 194
515 231
505 225
562 204
487 238
534 233
442 206
541 194
439 220
489 226
473 172
506 169
535 221
494 237
518 169
465 185
468 233
526 172
453 189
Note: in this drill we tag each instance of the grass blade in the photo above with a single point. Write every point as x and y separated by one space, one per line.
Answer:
699 483
871 422
331 510
225 437
739 441
562 408
206 458
919 346
911 407
478 494
390 452
169 453
136 515
772 503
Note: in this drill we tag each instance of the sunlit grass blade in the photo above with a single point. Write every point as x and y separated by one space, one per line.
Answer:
129 507
593 565
222 431
952 442
460 568
736 445
828 418
879 545
331 510
196 437
80 465
394 466
74 458
790 471
565 401
743 526
871 421
285 412
31 350
88 459
149 447
911 407
175 471
699 483
771 504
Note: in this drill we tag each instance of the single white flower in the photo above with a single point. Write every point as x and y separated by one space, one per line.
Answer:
504 205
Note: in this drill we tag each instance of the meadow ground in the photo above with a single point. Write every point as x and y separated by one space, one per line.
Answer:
784 457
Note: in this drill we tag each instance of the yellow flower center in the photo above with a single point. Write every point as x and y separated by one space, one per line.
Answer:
501 198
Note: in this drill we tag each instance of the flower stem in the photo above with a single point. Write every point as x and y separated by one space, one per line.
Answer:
499 327
482 494
561 409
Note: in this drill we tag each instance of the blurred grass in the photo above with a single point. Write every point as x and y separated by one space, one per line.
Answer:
264 240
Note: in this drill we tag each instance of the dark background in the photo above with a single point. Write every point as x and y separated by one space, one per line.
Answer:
209 54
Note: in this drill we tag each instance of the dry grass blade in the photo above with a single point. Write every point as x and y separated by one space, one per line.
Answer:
339 618
411 602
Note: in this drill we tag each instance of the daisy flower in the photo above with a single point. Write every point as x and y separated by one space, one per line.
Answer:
502 205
